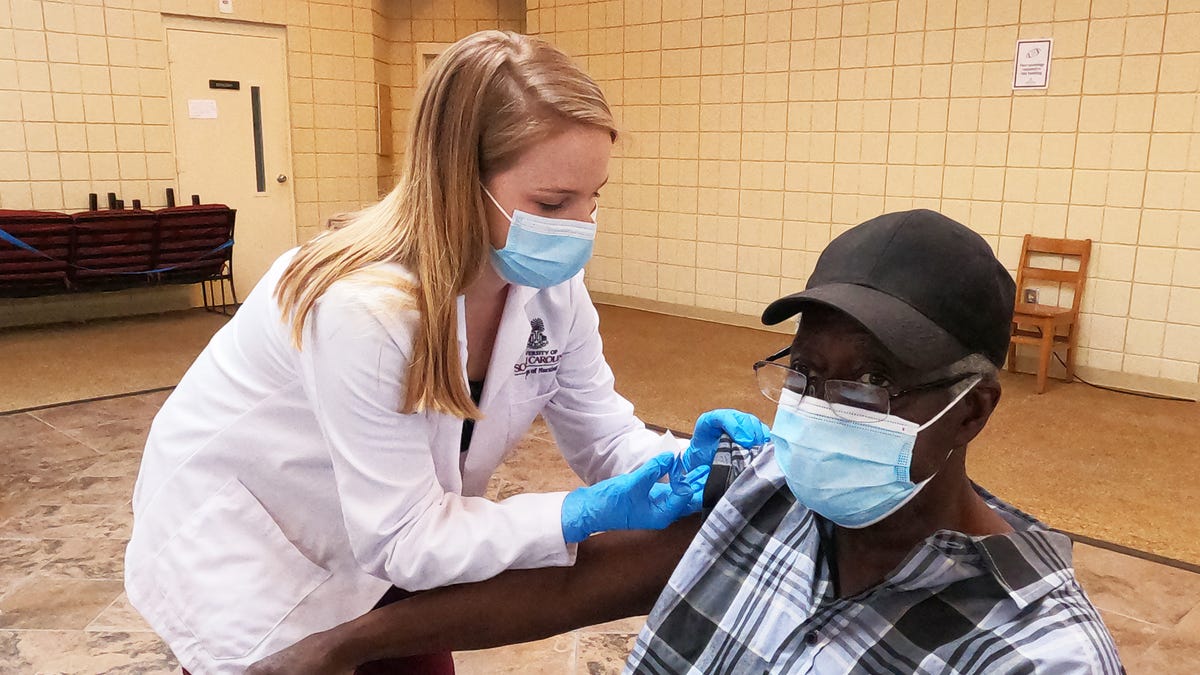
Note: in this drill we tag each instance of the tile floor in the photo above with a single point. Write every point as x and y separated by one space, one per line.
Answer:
66 477
1109 466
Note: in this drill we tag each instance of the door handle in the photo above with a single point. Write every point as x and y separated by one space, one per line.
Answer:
281 178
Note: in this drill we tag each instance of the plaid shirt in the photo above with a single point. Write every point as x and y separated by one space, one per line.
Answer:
754 594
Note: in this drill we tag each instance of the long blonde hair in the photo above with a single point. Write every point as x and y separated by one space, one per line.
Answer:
486 99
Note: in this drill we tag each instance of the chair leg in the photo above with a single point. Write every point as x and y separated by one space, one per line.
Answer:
226 309
1044 359
1071 347
1012 357
233 289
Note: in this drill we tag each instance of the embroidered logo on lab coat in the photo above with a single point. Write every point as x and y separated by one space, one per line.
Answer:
537 359
537 336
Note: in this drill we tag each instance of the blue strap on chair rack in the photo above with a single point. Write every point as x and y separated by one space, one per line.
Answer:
15 241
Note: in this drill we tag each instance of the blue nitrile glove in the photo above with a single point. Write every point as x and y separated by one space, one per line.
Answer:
696 479
745 430
627 502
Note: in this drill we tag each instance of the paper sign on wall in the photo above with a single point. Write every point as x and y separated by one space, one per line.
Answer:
1031 66
202 109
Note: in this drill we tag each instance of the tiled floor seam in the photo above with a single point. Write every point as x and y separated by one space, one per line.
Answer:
1123 615
575 652
96 618
63 433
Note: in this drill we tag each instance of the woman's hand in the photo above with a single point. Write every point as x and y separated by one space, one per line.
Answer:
745 429
629 501
314 655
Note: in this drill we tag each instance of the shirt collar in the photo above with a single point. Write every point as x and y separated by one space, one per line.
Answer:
1028 563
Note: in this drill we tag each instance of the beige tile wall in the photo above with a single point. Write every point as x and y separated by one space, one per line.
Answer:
85 99
429 22
85 107
759 129
84 96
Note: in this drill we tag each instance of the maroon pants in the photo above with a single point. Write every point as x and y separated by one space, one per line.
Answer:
425 664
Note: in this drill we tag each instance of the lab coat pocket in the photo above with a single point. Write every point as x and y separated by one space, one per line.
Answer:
232 590
522 413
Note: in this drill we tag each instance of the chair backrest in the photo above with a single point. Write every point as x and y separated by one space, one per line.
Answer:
1062 248
190 237
22 270
111 243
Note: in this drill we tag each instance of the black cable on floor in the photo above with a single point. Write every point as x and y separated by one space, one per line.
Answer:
1160 397
106 397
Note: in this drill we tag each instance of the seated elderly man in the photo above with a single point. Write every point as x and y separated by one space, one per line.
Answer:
855 542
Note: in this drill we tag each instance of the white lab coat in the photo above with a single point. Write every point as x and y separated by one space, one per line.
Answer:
281 493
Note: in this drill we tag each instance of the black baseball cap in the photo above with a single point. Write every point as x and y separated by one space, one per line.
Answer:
928 287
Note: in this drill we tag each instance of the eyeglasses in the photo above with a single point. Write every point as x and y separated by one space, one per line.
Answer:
852 401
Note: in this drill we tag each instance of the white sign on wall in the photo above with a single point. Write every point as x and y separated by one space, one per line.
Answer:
1031 65
202 109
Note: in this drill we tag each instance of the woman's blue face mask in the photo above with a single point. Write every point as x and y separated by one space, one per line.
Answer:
542 252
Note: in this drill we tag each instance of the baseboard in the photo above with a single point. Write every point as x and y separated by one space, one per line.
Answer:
1130 382
74 307
690 312
1025 364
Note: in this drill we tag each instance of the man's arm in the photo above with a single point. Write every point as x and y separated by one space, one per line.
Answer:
616 575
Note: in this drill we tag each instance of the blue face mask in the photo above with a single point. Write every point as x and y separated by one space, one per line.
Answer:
854 473
542 252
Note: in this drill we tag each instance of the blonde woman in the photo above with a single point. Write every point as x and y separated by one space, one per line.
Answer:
330 446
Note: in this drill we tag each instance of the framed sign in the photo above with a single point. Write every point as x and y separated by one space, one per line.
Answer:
1031 65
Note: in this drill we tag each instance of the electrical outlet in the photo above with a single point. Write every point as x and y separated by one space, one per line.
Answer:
1031 296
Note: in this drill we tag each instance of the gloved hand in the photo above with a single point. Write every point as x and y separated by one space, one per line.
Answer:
628 502
696 479
745 430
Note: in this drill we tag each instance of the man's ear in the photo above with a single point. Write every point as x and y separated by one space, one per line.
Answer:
977 408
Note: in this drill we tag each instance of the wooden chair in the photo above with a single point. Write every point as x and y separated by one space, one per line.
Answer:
1040 324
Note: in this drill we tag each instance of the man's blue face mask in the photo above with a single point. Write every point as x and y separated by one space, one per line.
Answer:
542 252
854 473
